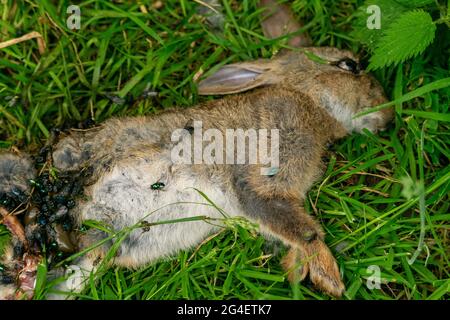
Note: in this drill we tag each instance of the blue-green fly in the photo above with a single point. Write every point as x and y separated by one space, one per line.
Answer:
157 186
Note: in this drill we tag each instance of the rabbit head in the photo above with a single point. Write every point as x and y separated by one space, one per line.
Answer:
331 77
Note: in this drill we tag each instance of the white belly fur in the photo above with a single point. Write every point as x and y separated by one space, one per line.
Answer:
124 196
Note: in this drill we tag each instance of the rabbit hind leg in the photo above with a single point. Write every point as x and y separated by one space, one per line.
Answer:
308 254
316 260
286 220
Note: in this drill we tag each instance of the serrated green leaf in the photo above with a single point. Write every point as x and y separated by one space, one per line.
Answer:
409 36
390 12
415 3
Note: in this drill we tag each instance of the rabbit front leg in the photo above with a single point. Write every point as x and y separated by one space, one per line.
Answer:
75 279
283 217
72 280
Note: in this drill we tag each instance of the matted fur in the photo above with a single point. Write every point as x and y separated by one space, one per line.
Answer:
311 103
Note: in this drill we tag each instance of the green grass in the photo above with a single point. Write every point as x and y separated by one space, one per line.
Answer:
378 194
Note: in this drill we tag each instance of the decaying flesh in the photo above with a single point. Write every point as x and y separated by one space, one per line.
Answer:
35 209
26 267
313 102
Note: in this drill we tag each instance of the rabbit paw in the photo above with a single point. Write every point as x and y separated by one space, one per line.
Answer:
70 282
296 268
316 259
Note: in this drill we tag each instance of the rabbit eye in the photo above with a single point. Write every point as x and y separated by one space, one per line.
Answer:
348 65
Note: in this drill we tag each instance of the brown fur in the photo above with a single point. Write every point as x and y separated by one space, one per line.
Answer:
311 103
274 202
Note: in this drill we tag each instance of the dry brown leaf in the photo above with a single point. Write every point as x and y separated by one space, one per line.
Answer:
28 36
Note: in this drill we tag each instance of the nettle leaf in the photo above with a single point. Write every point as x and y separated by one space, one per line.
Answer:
415 3
405 38
390 12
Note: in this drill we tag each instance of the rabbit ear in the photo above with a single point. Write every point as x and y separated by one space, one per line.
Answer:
278 20
237 77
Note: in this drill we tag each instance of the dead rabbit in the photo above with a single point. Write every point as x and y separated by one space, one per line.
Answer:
310 103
